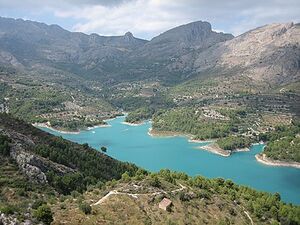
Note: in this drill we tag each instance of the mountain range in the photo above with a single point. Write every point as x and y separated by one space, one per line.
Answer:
269 54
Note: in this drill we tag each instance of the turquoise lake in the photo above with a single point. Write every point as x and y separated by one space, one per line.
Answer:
133 144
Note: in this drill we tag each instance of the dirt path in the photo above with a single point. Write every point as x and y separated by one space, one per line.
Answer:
115 192
247 214
179 189
105 197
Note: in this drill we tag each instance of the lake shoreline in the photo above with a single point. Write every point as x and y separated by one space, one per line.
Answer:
46 125
133 124
262 158
210 147
214 148
169 134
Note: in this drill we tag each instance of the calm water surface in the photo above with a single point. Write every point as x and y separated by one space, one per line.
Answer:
133 144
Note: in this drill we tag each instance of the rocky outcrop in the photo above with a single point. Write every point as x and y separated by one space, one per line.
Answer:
13 220
270 53
180 40
24 161
33 166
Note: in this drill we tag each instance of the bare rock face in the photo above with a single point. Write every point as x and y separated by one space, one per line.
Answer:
8 58
13 220
25 161
270 53
128 37
177 41
8 220
32 165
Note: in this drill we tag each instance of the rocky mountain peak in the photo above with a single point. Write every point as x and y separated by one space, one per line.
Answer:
189 33
128 36
197 28
269 53
181 40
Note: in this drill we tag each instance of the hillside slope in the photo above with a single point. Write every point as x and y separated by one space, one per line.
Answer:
268 54
45 158
38 172
33 45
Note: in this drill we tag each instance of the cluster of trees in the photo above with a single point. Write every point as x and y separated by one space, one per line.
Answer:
69 182
131 103
234 142
287 149
186 120
139 115
281 131
283 143
31 102
75 124
85 208
4 145
43 213
264 207
92 166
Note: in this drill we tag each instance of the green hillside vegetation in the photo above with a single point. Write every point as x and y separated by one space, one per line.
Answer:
30 102
283 143
75 124
18 196
235 142
90 165
67 104
187 120
201 201
139 115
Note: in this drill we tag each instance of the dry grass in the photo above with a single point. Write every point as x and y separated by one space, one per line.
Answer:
276 119
124 209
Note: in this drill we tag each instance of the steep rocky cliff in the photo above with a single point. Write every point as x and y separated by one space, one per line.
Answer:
270 53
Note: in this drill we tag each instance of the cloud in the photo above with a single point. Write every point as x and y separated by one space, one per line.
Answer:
148 18
55 4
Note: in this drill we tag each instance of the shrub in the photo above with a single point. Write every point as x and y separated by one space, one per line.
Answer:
21 192
103 149
125 177
44 214
9 209
4 145
184 197
154 181
75 194
86 208
38 203
63 206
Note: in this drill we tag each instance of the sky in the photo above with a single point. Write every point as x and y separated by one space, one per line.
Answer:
148 18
